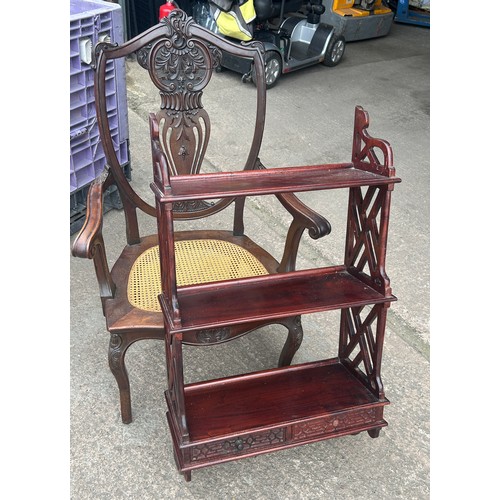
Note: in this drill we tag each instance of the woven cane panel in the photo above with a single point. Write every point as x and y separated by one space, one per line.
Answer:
197 261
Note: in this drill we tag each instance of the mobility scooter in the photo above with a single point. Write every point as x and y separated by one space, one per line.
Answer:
292 34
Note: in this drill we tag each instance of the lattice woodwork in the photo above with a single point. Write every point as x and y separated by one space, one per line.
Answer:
363 248
361 341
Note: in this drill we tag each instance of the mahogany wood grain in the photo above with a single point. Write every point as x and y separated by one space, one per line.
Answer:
272 397
213 305
269 181
247 415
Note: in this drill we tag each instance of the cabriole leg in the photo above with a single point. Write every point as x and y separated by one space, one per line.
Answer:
293 341
118 345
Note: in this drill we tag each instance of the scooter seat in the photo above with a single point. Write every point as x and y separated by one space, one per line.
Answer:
269 9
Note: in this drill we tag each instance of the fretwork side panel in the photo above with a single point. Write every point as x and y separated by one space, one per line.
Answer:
362 331
366 238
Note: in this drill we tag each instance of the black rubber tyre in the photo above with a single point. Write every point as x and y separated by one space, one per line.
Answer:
334 51
273 68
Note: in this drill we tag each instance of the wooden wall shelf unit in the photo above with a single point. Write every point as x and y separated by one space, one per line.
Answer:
230 418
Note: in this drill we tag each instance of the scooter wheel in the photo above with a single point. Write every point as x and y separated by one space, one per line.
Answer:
334 51
273 68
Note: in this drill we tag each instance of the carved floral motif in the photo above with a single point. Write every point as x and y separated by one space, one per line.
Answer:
230 446
191 206
179 65
114 354
212 335
331 424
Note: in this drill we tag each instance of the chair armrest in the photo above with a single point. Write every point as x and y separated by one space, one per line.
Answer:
89 242
84 244
315 223
303 218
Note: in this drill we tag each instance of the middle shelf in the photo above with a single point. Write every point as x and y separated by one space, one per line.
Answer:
270 297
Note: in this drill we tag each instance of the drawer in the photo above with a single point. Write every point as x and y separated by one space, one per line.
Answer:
240 445
350 420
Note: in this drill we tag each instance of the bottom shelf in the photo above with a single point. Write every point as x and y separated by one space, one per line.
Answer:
264 411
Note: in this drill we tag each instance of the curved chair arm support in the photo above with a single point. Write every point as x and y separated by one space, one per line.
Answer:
303 218
89 242
315 223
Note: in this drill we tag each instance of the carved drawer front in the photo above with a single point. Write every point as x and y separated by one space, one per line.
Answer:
336 423
239 445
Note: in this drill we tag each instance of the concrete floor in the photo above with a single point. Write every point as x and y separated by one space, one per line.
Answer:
309 121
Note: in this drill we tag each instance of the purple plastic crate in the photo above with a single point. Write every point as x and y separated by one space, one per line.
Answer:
91 22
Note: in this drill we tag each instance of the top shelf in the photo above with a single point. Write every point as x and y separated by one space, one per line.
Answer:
270 181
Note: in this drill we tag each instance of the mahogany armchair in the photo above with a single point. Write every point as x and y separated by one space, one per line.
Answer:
180 131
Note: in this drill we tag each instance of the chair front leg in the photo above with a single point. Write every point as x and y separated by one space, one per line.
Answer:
293 341
118 345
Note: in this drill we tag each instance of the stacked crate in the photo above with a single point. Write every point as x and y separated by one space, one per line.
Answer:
91 22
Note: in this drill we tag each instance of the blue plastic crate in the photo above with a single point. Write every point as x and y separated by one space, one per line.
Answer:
91 22
413 12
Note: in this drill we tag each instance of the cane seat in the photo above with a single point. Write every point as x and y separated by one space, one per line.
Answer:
197 261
